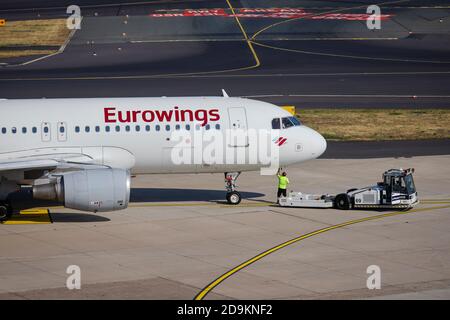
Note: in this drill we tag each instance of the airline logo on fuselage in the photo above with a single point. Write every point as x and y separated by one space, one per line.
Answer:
202 116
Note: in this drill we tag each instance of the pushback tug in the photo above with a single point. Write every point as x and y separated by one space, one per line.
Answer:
396 191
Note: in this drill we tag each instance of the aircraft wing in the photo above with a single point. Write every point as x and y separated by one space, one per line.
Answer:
68 161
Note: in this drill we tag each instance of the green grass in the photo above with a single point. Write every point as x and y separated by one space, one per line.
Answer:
378 124
29 33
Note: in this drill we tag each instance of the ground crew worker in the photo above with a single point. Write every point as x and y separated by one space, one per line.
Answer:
283 182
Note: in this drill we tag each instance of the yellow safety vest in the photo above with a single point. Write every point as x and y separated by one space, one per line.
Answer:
282 182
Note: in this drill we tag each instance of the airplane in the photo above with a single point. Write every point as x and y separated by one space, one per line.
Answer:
82 152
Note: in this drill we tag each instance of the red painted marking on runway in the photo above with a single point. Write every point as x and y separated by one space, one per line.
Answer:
276 13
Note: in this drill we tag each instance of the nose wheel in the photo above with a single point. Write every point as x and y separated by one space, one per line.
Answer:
233 197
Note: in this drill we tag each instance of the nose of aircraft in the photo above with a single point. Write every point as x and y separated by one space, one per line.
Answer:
303 144
319 145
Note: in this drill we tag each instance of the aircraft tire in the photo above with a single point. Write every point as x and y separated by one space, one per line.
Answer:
234 198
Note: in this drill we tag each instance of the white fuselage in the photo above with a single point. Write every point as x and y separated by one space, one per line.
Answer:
137 133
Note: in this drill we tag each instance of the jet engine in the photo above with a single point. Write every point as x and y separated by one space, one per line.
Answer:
91 190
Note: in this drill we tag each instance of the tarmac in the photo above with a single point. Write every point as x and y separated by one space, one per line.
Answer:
178 239
172 243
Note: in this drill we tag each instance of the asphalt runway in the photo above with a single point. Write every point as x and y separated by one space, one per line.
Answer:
177 238
305 62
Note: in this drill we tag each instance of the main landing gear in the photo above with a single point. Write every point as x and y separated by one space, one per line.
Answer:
233 197
6 210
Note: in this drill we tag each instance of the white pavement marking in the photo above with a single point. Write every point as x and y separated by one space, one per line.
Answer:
170 76
271 39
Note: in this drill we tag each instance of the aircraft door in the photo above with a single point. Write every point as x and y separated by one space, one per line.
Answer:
46 132
238 136
62 131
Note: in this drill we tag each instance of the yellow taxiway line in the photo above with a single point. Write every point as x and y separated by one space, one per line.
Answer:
202 294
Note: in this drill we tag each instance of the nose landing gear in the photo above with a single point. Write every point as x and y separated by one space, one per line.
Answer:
233 197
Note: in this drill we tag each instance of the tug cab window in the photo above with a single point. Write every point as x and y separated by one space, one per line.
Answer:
410 184
399 185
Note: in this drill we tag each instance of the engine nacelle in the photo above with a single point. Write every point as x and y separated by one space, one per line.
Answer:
88 190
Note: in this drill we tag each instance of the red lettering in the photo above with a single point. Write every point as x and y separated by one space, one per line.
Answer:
189 112
147 113
161 115
121 116
135 113
200 115
109 112
203 117
214 115
177 114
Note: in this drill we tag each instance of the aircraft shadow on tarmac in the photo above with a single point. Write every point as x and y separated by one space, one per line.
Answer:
77 217
23 200
174 195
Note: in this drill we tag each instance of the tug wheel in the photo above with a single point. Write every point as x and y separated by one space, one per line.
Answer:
342 202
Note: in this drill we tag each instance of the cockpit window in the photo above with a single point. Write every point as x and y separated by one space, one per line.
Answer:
295 121
290 122
276 123
286 123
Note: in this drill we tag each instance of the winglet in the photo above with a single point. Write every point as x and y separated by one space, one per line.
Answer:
225 94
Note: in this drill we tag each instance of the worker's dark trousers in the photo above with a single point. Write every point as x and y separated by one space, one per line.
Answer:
281 192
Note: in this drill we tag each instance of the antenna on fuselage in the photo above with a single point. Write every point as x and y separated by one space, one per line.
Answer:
225 94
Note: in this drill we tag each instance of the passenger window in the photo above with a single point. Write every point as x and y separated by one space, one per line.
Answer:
276 123
97 128
207 127
107 129
77 129
188 127
127 128
24 130
167 128
45 130
217 126
87 129
286 123
34 129
3 130
138 128
157 128
197 127
61 129
14 130
177 127
117 128
147 128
